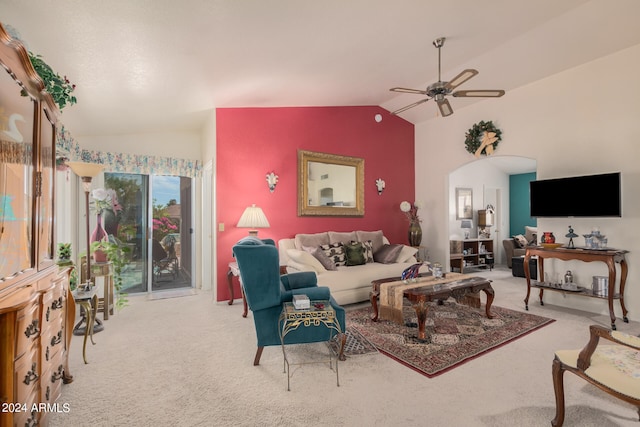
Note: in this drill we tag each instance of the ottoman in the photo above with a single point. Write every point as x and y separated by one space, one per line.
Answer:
517 267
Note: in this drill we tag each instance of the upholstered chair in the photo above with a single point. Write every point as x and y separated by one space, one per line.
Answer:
612 368
266 290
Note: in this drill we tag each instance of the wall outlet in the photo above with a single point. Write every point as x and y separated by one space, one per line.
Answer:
221 226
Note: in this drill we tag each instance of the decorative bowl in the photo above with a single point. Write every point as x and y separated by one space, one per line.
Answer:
551 245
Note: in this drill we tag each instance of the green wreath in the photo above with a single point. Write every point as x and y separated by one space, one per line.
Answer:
473 138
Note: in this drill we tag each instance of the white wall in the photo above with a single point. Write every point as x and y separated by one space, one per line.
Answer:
581 121
181 145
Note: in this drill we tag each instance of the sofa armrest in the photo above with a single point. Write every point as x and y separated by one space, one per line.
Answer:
597 332
314 293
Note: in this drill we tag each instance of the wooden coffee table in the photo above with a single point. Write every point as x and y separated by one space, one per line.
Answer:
420 297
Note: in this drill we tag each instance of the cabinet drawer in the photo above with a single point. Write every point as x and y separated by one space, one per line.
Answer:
50 383
28 326
52 345
27 374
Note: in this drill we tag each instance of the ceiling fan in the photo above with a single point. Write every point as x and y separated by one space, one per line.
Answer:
439 90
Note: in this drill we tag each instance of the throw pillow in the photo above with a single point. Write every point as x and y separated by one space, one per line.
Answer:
387 254
355 254
520 240
530 233
368 250
376 237
305 258
407 254
335 252
322 257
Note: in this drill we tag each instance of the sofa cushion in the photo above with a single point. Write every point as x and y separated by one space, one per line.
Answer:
335 252
311 240
388 254
368 250
376 237
407 254
319 254
341 237
304 257
354 252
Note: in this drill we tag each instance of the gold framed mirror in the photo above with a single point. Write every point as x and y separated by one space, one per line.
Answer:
464 203
330 185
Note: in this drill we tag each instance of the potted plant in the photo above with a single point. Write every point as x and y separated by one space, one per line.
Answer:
117 256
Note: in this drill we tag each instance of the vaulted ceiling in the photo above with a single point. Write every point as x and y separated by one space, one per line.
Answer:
143 65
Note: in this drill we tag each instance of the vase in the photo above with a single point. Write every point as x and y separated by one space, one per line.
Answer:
548 237
415 233
99 235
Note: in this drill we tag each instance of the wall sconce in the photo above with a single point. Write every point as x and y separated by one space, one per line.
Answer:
272 180
380 184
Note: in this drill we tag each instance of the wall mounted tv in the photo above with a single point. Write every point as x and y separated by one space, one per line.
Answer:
577 196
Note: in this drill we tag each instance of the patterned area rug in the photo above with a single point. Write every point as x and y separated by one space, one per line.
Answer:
455 334
356 344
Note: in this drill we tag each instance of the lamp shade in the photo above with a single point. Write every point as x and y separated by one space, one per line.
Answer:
83 169
253 218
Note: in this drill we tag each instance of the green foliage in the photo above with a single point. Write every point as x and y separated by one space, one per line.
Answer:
64 254
60 88
473 137
117 255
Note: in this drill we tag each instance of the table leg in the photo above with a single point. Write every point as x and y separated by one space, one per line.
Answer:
612 288
527 275
623 281
490 295
421 308
230 283
86 305
373 296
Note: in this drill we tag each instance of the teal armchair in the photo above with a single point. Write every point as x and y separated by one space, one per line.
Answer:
265 290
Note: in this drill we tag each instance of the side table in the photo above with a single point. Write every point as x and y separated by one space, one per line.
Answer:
104 270
321 312
88 301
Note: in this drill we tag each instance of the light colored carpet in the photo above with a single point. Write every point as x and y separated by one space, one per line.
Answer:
188 362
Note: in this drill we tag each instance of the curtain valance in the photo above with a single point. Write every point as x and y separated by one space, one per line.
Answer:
67 147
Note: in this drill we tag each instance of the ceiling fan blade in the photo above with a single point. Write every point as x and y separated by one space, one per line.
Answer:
406 90
445 107
461 78
409 106
478 93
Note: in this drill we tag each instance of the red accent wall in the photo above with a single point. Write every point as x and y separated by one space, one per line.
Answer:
252 142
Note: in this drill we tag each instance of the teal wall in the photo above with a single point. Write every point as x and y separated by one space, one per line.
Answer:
519 203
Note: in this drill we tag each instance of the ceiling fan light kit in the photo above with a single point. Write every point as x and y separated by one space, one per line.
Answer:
439 90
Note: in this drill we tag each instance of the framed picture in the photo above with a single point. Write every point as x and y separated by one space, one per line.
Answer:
464 203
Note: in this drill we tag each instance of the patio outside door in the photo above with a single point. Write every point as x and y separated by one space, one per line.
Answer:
154 222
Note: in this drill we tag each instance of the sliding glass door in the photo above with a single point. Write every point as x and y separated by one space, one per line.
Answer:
153 220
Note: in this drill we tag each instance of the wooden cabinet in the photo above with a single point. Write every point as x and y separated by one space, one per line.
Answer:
470 253
34 293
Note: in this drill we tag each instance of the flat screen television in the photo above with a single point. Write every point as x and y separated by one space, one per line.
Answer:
577 196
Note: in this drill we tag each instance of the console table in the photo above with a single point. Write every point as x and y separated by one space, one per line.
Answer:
609 257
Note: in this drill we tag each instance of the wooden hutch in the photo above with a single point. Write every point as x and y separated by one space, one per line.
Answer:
36 307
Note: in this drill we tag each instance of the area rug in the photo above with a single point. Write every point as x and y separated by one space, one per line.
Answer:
455 334
355 344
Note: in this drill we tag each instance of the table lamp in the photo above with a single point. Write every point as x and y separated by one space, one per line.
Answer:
466 225
86 171
253 218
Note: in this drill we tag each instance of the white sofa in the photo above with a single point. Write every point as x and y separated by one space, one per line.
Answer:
348 284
